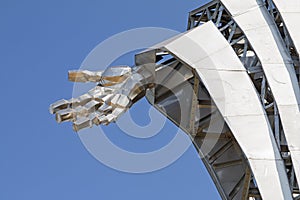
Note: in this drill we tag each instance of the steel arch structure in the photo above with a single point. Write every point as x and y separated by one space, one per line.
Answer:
237 70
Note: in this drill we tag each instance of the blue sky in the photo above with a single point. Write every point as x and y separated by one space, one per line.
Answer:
41 41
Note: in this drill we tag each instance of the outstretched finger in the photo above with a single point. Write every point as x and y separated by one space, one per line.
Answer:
112 116
85 76
75 113
98 93
105 114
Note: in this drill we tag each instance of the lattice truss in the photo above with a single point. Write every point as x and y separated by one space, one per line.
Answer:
246 132
216 12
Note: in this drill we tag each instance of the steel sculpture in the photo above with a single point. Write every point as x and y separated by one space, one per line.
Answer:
239 74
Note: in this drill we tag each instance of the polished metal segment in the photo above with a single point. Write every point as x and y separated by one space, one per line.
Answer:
120 100
61 104
84 76
65 115
115 75
81 123
116 71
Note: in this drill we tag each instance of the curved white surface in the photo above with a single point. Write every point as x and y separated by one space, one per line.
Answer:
290 13
265 39
205 49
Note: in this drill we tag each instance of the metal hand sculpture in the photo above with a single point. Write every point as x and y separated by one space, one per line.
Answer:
246 74
117 90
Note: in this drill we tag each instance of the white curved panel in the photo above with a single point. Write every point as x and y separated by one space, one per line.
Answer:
264 37
290 13
205 49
